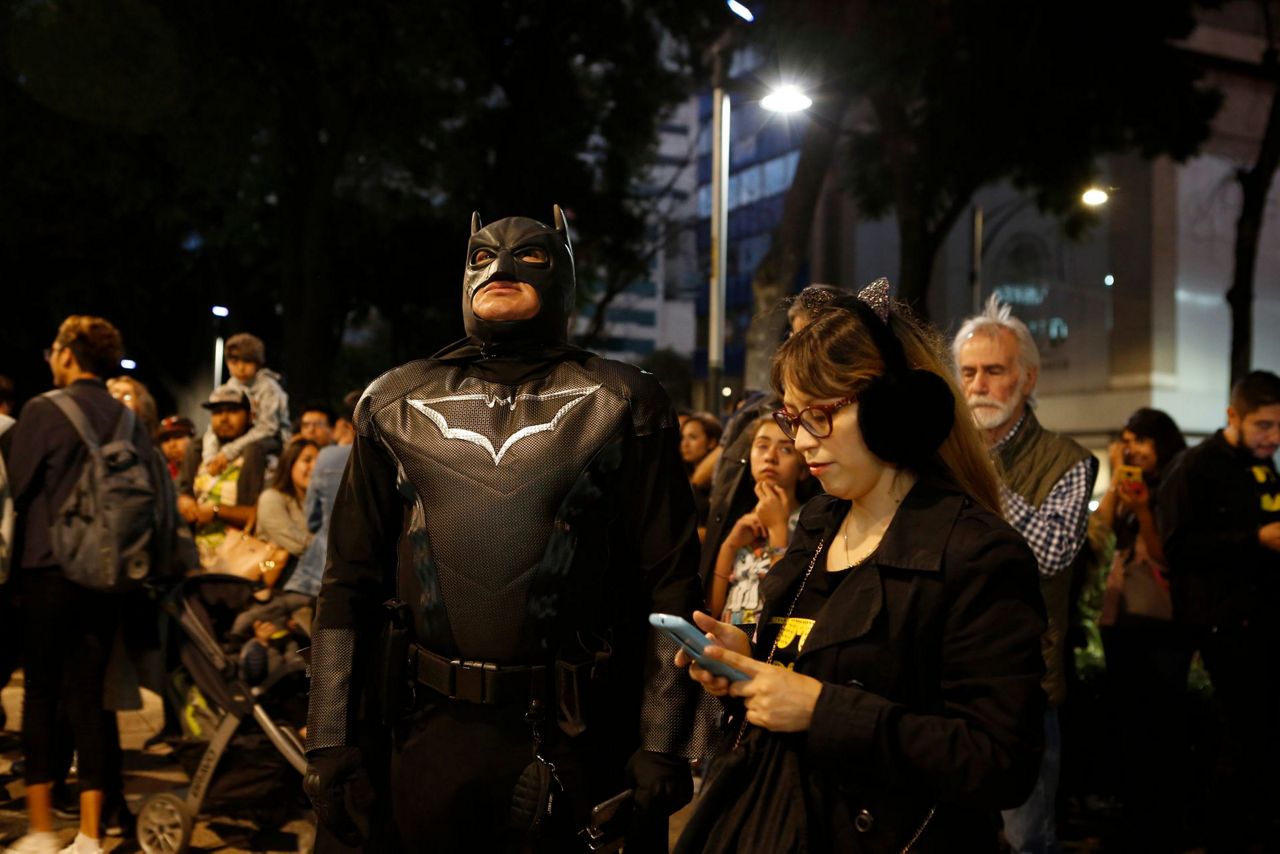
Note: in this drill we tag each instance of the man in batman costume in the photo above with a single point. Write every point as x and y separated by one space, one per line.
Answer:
513 510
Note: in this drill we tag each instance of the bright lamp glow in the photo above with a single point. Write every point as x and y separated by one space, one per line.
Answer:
128 364
1108 280
726 392
786 99
221 311
741 11
1094 196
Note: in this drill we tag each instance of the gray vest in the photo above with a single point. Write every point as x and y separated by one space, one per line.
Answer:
1032 462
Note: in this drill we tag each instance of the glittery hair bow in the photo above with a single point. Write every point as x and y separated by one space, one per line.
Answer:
876 296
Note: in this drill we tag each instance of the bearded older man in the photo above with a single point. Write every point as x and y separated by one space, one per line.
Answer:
1047 482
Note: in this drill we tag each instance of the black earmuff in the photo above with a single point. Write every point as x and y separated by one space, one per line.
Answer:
907 413
905 417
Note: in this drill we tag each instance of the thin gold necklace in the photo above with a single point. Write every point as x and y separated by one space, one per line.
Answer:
844 533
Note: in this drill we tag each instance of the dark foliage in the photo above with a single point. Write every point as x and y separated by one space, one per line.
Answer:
301 161
956 94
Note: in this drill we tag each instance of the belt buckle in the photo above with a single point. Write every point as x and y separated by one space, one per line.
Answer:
469 680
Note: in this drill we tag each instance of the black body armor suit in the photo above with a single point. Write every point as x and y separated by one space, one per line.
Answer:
494 528
526 501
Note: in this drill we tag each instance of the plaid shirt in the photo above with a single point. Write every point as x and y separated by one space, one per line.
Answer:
1057 528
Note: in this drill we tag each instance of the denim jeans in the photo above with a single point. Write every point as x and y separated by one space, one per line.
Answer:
1032 828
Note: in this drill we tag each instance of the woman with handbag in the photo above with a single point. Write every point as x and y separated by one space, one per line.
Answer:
282 524
1147 654
280 517
893 697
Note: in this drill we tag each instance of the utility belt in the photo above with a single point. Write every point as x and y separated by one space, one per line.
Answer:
571 688
477 681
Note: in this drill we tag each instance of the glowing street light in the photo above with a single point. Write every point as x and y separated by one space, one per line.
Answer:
1095 197
219 345
786 99
741 11
128 364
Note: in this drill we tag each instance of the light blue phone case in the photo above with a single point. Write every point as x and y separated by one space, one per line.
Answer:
694 643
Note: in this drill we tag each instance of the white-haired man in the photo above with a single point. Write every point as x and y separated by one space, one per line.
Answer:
1047 482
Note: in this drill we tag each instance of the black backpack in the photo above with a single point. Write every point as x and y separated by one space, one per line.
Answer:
108 531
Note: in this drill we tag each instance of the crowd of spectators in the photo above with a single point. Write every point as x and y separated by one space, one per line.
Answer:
1195 574
244 475
1193 537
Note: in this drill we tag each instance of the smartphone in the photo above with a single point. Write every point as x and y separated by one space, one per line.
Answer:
609 822
695 644
1128 475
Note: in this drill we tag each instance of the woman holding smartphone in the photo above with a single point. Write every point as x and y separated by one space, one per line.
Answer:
893 700
1147 654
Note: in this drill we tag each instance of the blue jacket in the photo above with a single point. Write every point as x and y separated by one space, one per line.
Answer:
318 508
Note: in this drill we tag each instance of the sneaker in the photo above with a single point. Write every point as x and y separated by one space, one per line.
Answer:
117 818
83 845
35 843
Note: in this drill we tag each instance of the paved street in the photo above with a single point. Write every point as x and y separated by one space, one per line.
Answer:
146 773
158 770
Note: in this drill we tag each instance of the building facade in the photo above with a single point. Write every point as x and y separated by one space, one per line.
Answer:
1132 314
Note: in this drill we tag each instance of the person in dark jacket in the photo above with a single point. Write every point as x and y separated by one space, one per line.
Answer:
893 700
1147 654
732 486
1218 512
526 502
69 629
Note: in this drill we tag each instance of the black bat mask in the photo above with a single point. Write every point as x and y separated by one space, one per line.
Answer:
519 249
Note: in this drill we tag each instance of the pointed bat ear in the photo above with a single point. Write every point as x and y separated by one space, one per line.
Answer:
561 226
476 224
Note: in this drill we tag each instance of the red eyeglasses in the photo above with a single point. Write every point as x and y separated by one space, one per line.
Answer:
816 419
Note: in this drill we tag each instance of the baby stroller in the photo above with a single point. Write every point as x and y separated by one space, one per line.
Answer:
202 608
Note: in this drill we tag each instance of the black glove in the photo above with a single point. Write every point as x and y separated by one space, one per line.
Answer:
340 792
663 783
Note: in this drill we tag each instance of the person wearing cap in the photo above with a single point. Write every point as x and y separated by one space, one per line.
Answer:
227 495
268 403
174 438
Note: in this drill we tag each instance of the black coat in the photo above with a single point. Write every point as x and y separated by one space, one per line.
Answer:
930 655
1212 501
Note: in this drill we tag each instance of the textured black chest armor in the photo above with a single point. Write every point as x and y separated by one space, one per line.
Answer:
487 467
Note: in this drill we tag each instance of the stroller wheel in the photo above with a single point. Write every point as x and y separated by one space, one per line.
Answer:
164 825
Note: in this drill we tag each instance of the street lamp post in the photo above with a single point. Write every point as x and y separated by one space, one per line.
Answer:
219 312
975 261
720 125
785 99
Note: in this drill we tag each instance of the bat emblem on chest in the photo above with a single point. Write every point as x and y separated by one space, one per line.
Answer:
532 413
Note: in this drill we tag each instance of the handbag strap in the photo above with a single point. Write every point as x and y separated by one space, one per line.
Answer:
813 561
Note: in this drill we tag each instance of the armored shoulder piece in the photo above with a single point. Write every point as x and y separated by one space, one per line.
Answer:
650 407
387 389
